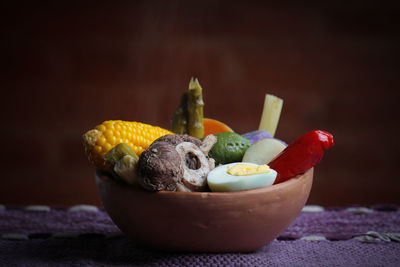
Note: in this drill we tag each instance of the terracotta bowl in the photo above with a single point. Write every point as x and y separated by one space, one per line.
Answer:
239 221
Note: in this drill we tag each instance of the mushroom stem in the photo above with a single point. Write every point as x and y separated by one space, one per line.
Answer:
196 168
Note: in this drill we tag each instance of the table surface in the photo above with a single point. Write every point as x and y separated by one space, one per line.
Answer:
84 235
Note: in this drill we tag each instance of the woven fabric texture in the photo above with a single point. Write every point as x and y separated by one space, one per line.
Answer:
86 236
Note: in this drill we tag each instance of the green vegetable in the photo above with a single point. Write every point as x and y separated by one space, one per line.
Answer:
195 109
180 117
126 169
122 161
230 147
116 153
188 117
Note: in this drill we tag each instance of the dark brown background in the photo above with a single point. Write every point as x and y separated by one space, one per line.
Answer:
66 68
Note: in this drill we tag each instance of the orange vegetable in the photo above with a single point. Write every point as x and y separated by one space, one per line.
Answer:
212 126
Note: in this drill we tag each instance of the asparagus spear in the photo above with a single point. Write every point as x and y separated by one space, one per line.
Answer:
271 113
116 153
180 118
122 162
195 109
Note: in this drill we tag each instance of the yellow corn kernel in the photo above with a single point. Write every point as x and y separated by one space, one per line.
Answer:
98 141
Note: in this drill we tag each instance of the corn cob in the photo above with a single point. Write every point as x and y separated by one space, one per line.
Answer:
98 141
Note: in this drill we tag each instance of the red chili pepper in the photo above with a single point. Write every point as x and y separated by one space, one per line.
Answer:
303 154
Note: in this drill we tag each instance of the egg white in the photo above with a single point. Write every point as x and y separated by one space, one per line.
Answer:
220 181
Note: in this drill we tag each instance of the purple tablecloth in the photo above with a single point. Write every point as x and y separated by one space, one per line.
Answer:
85 235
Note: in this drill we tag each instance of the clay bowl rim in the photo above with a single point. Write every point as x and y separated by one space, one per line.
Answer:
101 175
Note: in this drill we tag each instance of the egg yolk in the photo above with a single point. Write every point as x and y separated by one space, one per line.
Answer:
247 169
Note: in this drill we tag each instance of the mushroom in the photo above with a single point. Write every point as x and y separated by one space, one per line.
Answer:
176 163
160 167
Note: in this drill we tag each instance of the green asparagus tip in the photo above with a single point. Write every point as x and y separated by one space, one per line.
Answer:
194 84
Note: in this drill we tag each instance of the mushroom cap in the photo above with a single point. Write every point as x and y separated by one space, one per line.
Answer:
175 139
176 163
160 167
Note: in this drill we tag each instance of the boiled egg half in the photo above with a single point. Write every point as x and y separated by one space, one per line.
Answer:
240 176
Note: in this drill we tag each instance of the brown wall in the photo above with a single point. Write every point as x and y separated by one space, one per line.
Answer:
66 68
